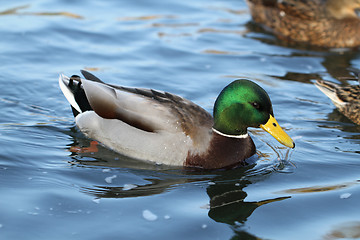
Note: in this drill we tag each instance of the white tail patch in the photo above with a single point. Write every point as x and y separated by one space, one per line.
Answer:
67 93
332 95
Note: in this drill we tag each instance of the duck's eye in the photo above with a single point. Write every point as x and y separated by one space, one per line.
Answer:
255 105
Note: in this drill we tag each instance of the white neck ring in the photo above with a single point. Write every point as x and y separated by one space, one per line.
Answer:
231 136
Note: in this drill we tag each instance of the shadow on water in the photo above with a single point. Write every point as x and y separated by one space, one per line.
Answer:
336 120
336 64
346 126
335 61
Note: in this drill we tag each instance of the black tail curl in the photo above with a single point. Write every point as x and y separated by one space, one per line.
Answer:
79 95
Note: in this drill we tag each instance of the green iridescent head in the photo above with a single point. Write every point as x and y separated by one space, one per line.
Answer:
240 105
244 104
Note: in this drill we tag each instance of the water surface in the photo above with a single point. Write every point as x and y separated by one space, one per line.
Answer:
194 50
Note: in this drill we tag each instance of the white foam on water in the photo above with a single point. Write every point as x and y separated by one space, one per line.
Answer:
148 215
129 186
110 179
345 195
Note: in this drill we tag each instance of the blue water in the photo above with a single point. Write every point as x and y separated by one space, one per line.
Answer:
191 48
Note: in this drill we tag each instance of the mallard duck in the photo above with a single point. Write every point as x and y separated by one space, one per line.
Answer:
164 128
325 23
345 98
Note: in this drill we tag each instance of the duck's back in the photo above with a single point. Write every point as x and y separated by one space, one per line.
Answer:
312 22
141 123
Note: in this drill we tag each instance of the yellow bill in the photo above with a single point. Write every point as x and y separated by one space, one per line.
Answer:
276 131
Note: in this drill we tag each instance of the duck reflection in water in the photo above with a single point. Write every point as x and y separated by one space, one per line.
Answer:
228 204
225 189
